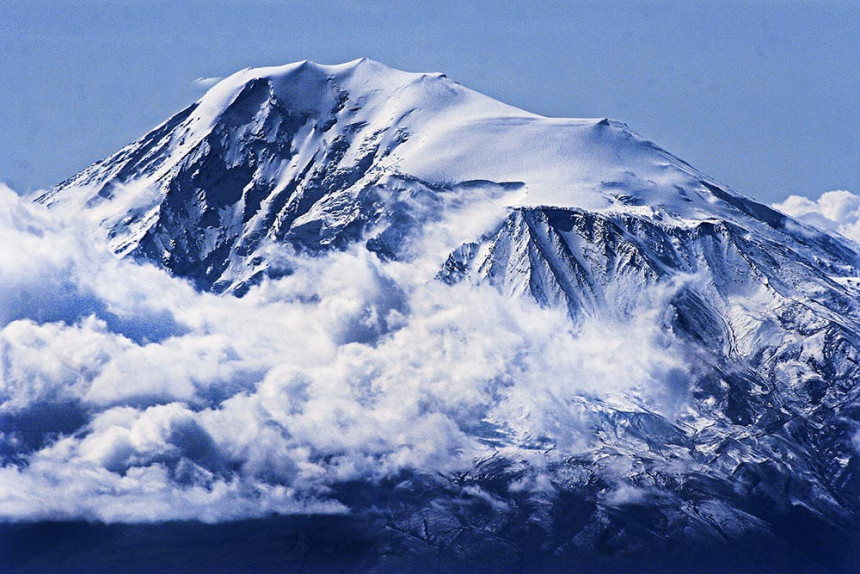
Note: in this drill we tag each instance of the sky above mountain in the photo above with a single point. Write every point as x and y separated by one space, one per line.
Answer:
762 96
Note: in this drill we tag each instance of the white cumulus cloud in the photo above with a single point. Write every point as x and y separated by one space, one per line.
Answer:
126 395
837 211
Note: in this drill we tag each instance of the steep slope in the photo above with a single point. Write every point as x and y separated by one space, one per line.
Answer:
583 215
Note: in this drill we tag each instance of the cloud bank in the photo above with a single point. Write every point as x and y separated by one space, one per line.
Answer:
837 211
126 395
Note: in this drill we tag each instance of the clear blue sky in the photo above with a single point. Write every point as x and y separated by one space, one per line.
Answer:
763 96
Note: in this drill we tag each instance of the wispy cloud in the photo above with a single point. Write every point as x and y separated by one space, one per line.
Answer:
206 83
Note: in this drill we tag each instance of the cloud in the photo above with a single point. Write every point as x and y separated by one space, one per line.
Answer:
206 83
837 211
126 395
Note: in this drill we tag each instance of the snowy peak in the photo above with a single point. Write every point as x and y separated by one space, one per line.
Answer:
306 87
320 156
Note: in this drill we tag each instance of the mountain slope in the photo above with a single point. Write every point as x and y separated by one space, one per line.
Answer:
582 215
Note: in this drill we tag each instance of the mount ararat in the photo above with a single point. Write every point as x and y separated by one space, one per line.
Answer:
596 350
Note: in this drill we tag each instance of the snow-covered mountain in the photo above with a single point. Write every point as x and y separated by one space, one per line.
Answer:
579 214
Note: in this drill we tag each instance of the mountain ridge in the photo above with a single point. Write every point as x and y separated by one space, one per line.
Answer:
580 215
625 173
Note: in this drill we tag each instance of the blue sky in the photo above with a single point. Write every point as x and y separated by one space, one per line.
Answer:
763 96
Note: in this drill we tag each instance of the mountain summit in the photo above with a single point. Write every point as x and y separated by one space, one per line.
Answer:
756 434
317 156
